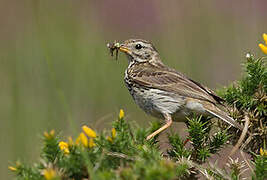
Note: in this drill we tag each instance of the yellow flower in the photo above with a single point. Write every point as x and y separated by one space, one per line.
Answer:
49 135
64 147
109 139
83 139
264 36
121 115
46 134
263 152
91 143
12 168
89 132
78 140
113 133
262 46
49 174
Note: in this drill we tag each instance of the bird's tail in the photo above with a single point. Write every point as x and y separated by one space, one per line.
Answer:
214 111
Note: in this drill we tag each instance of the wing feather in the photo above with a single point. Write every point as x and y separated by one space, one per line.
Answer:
160 77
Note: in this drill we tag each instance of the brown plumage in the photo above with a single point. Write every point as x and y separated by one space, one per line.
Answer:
158 76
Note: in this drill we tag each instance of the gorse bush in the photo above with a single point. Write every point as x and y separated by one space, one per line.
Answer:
247 99
123 153
203 143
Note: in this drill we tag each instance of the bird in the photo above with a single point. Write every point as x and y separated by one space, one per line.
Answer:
162 91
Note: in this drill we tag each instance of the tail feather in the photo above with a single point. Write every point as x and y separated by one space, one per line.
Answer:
223 116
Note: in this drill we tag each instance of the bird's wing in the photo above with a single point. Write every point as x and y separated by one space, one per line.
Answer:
215 111
170 80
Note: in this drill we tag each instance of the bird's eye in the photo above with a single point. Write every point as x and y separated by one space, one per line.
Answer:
138 46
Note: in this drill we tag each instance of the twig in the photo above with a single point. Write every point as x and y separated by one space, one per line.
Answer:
120 155
242 136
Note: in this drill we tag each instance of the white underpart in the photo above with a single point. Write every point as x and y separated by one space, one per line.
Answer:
164 101
157 102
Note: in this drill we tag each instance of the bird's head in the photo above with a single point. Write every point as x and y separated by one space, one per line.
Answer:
138 50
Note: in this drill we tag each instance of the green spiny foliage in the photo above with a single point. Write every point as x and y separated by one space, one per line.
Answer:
247 97
124 153
260 172
218 140
24 172
178 149
50 149
203 143
243 93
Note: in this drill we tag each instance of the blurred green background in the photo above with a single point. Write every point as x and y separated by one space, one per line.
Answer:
56 72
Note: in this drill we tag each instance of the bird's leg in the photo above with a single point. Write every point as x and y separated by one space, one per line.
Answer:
168 120
186 141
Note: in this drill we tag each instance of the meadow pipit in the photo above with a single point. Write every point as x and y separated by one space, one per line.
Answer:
163 92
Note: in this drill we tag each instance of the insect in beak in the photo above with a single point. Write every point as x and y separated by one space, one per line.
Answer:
114 47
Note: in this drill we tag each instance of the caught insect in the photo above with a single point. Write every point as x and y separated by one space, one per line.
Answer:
114 47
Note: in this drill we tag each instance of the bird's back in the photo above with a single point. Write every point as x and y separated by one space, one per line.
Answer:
158 76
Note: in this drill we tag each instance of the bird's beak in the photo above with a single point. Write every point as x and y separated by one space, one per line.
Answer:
122 48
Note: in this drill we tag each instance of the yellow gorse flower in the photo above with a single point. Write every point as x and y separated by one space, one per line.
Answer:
263 152
12 168
64 147
49 174
109 139
264 36
49 135
91 143
83 139
78 140
262 46
89 132
113 133
121 115
16 167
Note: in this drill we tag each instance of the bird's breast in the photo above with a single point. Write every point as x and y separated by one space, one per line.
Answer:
156 102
